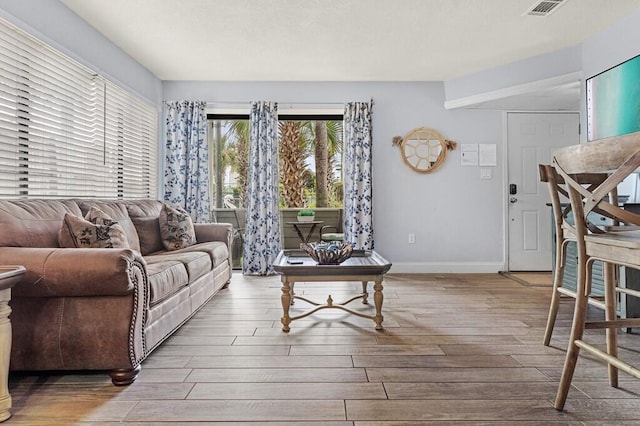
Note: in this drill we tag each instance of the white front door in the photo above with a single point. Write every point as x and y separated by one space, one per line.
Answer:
531 140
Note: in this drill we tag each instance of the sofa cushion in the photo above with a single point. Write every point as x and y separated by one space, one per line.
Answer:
196 263
145 216
33 223
176 228
143 208
165 279
217 251
117 211
85 234
148 229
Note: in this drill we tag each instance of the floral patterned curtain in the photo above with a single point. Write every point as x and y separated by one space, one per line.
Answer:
186 173
262 228
358 188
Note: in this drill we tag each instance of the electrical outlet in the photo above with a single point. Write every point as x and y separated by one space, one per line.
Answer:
412 238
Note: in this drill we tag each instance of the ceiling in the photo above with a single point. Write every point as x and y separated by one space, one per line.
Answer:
339 40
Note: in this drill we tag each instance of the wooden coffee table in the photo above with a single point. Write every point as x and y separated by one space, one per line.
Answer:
363 265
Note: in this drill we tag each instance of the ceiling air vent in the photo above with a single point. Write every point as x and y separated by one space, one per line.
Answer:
544 7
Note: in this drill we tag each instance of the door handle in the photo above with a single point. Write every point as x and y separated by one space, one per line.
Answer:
513 200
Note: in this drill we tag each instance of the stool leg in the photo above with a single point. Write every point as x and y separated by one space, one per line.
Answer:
555 295
611 315
577 330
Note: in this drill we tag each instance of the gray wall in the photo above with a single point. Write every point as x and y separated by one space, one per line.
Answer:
611 46
608 48
456 217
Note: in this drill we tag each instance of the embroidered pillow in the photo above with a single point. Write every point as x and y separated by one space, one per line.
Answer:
176 228
98 217
96 231
116 211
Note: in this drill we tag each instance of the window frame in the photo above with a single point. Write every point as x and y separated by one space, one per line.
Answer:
286 116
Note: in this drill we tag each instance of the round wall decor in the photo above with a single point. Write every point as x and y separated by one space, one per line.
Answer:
424 149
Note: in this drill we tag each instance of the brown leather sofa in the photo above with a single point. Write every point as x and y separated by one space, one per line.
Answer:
103 308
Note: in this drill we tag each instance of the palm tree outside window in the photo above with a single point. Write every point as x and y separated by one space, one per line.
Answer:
310 153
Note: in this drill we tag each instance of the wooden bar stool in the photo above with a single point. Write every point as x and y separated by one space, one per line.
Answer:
565 234
614 246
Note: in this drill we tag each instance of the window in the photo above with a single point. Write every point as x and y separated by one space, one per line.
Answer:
308 145
67 132
300 140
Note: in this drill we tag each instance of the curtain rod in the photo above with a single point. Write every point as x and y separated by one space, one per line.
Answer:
290 104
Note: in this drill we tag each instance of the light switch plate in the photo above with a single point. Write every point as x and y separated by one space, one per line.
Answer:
486 173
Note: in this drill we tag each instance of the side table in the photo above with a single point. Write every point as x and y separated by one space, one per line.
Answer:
297 225
9 276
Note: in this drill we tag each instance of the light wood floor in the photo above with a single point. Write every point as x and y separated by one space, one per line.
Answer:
456 349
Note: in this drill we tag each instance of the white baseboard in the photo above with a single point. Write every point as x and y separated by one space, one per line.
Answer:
446 267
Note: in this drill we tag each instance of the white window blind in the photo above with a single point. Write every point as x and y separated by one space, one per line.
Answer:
67 132
131 143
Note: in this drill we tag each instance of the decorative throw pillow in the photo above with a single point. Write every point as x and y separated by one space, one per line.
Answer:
176 228
116 211
98 217
97 232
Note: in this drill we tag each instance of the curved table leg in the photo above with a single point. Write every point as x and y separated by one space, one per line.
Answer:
286 302
377 299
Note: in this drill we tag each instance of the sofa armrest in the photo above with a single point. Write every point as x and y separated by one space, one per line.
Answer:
63 272
206 232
